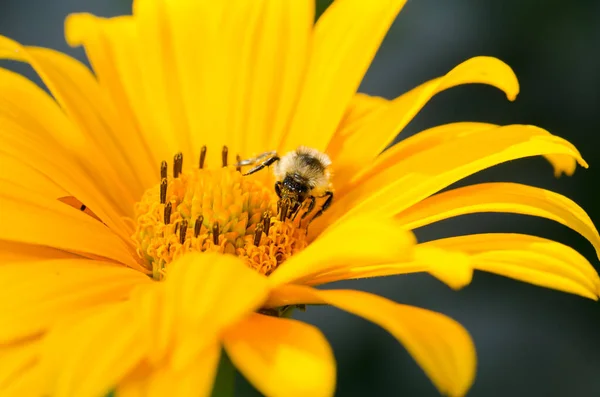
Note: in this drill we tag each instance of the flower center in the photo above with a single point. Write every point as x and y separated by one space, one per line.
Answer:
214 210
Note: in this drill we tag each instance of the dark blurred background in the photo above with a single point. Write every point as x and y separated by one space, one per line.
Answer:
530 341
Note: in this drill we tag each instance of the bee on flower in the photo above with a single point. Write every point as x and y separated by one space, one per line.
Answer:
134 251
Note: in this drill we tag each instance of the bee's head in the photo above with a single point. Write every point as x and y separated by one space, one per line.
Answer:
294 187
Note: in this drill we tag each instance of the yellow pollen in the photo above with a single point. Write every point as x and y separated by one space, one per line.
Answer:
214 210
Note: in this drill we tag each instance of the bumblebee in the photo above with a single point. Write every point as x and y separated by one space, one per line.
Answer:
301 175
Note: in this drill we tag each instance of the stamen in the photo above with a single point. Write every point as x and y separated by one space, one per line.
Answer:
163 190
163 170
224 155
238 160
266 222
215 230
285 206
167 218
182 231
237 211
258 234
202 156
198 225
177 164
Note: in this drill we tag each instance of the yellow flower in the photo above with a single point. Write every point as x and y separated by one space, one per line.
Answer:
79 313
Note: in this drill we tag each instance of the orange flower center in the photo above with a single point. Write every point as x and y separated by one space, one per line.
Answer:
215 210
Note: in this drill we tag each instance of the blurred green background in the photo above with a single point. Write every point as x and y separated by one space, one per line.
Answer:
530 341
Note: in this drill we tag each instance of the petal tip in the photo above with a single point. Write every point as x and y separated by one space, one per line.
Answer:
75 26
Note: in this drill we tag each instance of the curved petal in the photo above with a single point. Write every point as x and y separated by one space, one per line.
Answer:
47 142
20 372
34 295
14 170
266 80
501 197
166 331
162 83
436 136
240 66
412 179
31 219
383 126
360 110
11 252
194 30
79 95
361 240
203 294
452 268
441 346
282 357
528 258
367 271
78 205
111 47
38 169
345 40
88 356
193 381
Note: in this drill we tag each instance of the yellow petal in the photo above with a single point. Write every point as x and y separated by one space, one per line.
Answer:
441 346
345 40
359 110
436 136
376 135
272 43
79 95
282 357
424 140
452 268
11 252
241 81
36 294
111 47
46 141
162 83
412 179
357 241
294 45
195 380
528 258
31 219
88 357
78 205
15 170
196 31
366 271
501 197
203 294
18 364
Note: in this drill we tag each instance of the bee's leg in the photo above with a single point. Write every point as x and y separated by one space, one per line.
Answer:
323 208
254 160
311 206
278 188
262 165
327 202
284 209
295 210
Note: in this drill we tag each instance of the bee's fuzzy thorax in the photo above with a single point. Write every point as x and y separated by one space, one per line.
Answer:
307 163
